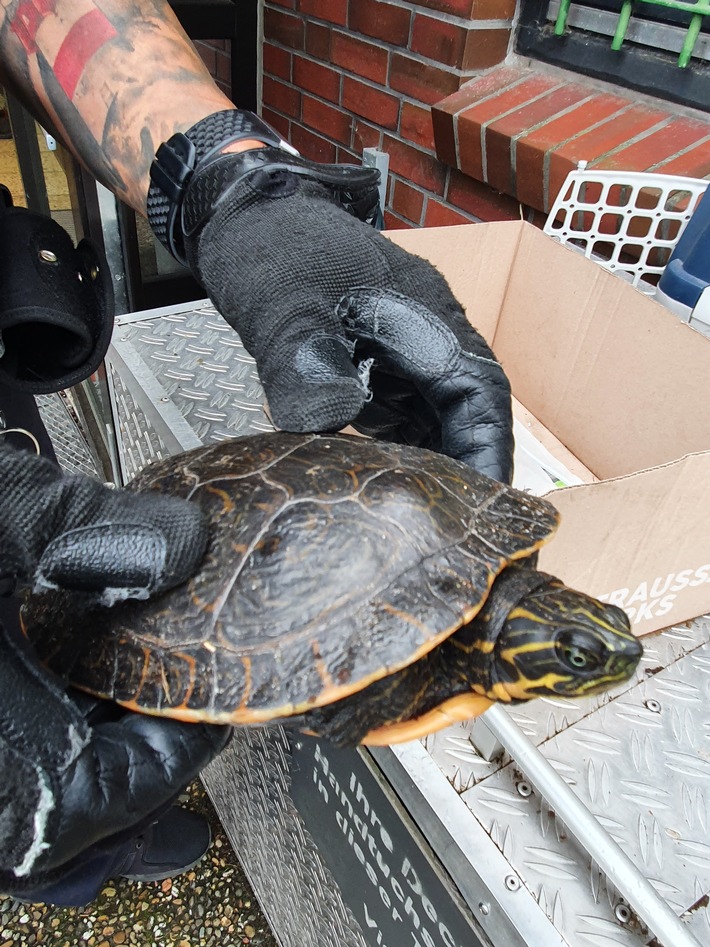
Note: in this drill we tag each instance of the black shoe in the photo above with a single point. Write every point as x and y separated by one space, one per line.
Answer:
170 846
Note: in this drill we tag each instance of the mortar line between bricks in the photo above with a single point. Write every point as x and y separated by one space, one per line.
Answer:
496 118
466 23
633 141
339 107
566 141
471 218
345 75
422 214
407 143
510 56
416 57
533 128
447 184
484 156
441 15
457 147
681 153
491 95
425 61
414 186
427 195
399 216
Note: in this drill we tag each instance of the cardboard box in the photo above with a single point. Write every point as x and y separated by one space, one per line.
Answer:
618 382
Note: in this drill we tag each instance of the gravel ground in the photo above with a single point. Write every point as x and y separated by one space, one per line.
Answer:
208 906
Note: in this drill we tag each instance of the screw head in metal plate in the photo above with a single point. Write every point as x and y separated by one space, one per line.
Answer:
622 912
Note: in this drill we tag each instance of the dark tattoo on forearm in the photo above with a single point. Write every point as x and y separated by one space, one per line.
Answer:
60 74
113 79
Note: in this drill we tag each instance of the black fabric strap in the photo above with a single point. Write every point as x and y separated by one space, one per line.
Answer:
56 304
351 186
177 158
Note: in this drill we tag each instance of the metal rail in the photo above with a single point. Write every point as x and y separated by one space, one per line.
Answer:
697 10
618 867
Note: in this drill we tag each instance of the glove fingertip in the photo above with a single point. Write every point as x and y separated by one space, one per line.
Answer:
188 529
100 556
325 407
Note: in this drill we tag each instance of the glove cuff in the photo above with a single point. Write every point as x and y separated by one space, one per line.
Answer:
177 159
190 176
273 173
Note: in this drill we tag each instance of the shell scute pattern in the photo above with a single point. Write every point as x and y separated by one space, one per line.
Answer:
315 469
515 522
332 562
242 457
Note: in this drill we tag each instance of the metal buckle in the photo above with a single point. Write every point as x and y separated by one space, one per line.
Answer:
172 166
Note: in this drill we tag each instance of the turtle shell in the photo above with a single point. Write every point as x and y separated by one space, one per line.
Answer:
332 562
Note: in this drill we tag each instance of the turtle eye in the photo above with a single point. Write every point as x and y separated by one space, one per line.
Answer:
579 655
576 658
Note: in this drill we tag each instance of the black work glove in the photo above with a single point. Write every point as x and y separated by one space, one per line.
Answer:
77 771
345 326
71 532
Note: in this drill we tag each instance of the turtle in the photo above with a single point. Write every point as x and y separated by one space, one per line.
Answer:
361 591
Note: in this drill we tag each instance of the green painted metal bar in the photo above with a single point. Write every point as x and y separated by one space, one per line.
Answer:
698 10
622 25
690 39
702 6
561 20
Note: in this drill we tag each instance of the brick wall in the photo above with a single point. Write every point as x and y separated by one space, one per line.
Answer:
216 55
522 131
472 133
343 75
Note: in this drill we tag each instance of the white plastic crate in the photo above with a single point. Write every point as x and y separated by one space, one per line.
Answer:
628 222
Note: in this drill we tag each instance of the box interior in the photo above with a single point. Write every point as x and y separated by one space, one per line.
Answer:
617 388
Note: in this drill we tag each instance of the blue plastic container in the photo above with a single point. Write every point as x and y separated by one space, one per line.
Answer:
687 274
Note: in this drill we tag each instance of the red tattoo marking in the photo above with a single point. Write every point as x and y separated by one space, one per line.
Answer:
83 40
28 20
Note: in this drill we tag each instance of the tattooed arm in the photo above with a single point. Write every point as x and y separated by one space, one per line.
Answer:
112 78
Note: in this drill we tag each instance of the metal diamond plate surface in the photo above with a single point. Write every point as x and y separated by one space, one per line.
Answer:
191 362
69 442
139 443
641 763
200 362
249 785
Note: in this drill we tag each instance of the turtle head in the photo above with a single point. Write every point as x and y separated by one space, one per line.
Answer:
559 642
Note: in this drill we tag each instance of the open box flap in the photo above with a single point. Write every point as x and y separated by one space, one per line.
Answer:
609 372
652 528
